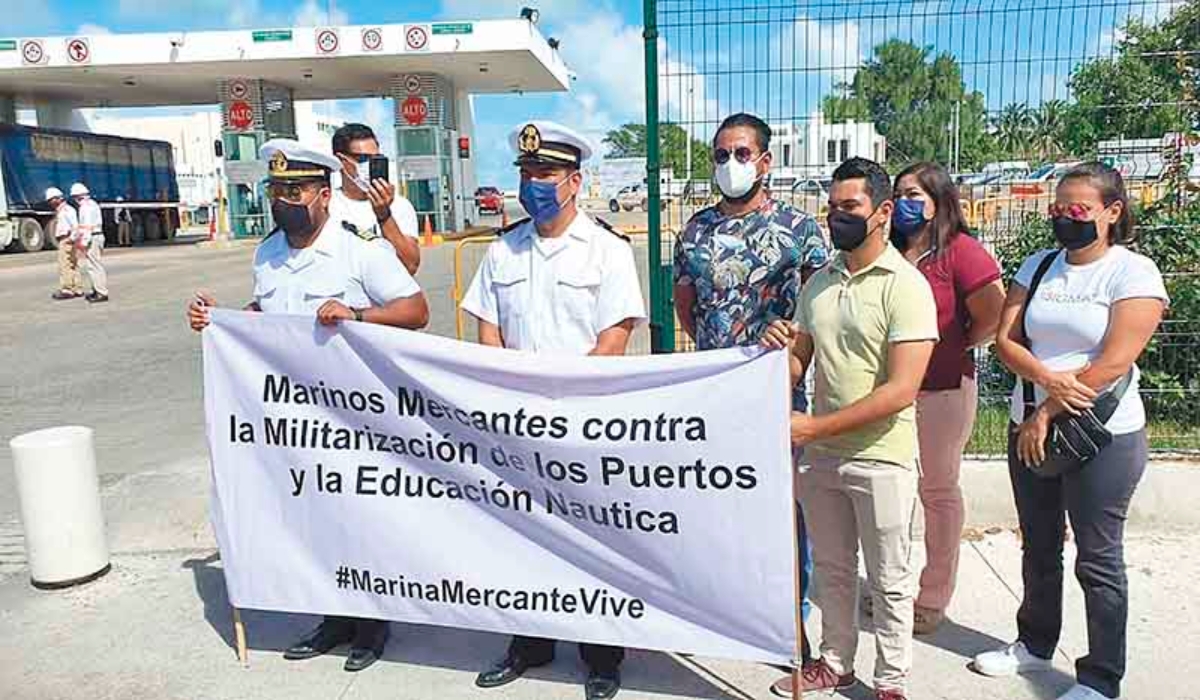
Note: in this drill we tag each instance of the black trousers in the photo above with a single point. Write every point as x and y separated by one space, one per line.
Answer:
537 651
363 627
1097 500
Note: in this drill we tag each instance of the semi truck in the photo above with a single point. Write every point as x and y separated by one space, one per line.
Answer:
140 172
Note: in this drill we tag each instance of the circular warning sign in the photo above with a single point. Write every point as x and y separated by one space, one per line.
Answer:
412 84
32 51
414 110
416 37
241 115
238 89
372 39
327 41
78 51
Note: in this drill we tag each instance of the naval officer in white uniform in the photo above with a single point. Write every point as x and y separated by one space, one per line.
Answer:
313 264
557 283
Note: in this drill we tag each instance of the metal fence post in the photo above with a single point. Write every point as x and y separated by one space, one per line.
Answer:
662 315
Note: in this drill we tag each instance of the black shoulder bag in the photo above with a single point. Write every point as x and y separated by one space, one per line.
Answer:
1072 441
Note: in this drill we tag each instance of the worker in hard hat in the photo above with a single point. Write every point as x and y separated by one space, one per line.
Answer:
64 224
124 223
89 241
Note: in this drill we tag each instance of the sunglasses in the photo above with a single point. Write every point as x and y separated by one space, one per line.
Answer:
289 192
1074 211
742 153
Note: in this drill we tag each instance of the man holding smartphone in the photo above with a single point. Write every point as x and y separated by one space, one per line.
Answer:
367 202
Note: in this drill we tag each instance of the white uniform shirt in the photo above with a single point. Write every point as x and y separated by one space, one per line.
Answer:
91 221
360 213
338 265
556 295
66 221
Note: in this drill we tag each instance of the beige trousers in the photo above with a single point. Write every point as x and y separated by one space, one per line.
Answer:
94 266
867 503
945 420
68 267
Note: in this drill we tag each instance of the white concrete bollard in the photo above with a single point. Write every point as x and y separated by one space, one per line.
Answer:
60 506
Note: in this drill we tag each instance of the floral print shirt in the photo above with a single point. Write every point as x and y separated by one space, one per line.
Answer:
746 271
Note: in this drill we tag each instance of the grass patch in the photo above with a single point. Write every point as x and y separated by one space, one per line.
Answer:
990 437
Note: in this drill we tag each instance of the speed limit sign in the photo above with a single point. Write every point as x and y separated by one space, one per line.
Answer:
372 39
327 41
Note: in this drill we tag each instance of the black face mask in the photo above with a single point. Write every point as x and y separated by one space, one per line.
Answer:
1074 235
847 231
295 219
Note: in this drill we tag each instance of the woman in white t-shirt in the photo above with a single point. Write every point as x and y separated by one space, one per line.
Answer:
1090 318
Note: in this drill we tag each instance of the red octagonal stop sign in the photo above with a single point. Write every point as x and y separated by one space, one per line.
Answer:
241 115
414 110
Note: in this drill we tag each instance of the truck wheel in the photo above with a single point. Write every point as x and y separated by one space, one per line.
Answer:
30 236
613 206
48 229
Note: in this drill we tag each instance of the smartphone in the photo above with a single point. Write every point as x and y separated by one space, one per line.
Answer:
378 168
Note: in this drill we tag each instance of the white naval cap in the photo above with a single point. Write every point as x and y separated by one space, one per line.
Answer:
79 189
549 143
287 159
53 193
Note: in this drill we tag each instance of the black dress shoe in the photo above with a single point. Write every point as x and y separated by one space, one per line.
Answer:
505 672
63 295
327 635
368 644
602 686
96 298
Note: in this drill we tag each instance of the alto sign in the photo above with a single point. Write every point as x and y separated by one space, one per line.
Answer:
415 110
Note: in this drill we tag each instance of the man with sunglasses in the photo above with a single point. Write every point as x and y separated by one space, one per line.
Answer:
557 283
372 207
740 264
313 264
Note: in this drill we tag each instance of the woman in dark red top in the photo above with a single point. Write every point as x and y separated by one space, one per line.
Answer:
928 227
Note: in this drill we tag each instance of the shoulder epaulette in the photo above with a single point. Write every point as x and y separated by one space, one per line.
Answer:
511 227
608 227
368 235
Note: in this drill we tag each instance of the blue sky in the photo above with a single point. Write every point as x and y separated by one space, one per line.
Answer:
758 56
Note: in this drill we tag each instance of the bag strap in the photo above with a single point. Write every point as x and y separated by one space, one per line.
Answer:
1042 268
1106 405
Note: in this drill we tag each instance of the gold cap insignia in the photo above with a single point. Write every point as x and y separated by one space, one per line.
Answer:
530 140
279 163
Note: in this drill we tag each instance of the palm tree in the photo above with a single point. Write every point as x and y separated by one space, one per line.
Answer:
1049 122
1013 128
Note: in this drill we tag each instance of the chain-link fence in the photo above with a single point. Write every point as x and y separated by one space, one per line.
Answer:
1005 94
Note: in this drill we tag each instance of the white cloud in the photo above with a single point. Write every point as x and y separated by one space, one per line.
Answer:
312 14
92 30
231 13
552 11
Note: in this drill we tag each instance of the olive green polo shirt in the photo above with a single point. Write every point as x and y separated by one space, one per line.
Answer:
853 320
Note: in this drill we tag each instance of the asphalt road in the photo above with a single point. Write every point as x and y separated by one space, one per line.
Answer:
130 369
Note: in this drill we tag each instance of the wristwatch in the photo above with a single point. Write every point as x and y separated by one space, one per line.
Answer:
384 219
357 314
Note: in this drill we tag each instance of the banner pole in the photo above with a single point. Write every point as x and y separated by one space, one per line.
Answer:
798 567
239 635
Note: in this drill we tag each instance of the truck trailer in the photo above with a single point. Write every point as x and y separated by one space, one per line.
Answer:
32 159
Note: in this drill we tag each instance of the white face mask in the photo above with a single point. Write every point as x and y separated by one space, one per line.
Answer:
735 179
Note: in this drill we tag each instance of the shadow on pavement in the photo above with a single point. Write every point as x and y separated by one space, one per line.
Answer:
446 647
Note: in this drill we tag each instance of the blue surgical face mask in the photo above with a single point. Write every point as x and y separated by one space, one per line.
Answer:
540 199
909 216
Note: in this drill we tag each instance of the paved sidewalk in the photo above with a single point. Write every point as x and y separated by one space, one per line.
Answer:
159 626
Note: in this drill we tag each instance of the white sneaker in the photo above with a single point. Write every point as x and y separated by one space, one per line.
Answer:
1010 661
1082 692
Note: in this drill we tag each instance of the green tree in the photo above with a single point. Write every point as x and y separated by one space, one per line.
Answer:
629 141
912 100
1048 127
1148 87
1013 129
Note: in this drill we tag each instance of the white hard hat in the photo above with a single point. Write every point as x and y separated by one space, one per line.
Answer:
120 198
52 192
78 188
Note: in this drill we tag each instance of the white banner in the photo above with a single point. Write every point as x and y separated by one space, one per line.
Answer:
633 501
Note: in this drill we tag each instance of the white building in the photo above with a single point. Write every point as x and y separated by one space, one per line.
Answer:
193 136
814 148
